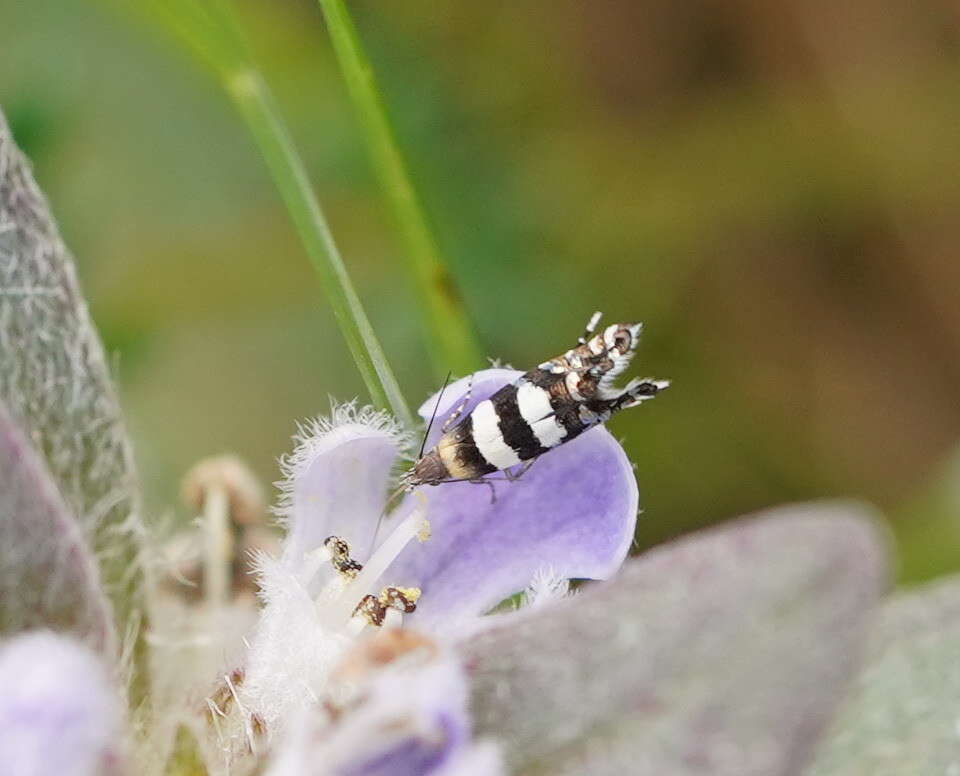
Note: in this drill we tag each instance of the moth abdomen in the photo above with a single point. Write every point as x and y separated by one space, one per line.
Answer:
429 469
454 457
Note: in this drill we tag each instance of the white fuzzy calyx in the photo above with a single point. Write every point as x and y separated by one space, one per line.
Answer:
302 636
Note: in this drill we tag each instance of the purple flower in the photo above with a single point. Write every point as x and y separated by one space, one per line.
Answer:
59 713
573 513
450 552
724 652
406 719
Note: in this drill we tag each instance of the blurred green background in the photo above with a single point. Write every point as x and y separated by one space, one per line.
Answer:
771 187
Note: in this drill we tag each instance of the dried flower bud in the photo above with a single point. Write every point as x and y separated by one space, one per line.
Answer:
385 647
247 505
218 561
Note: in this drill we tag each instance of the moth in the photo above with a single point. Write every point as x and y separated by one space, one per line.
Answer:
543 409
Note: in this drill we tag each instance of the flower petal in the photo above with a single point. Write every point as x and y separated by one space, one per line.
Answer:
58 712
414 721
290 654
336 480
482 759
573 513
409 719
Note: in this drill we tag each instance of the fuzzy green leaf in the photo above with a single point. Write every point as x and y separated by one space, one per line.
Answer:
722 653
903 717
56 385
48 576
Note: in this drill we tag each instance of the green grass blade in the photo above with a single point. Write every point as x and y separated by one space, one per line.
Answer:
450 337
212 32
255 102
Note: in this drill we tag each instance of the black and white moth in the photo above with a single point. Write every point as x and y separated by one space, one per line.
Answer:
544 408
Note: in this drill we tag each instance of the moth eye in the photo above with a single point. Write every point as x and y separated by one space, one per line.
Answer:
622 340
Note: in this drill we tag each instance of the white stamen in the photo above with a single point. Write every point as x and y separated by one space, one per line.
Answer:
356 625
217 545
331 592
312 562
337 613
392 619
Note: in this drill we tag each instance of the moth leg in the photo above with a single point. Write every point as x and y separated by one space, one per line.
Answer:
525 467
458 410
473 481
590 328
487 482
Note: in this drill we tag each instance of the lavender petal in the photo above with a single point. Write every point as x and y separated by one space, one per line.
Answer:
414 721
336 480
48 576
572 514
59 713
722 653
409 720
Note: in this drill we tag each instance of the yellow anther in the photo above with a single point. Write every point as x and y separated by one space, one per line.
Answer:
424 532
412 594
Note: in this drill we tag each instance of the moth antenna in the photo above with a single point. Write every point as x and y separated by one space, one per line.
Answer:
423 444
383 513
454 416
433 417
590 328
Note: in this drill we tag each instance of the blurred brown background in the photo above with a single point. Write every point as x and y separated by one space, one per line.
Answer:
772 187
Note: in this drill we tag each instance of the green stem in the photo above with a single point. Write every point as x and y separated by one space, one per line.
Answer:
255 102
450 338
212 30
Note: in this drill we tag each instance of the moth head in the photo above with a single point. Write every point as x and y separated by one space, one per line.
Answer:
621 339
607 354
616 346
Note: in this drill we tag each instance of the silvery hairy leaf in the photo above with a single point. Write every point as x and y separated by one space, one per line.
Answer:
903 717
56 385
722 653
48 576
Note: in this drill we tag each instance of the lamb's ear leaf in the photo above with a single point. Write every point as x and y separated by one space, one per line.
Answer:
903 716
55 382
722 653
48 576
